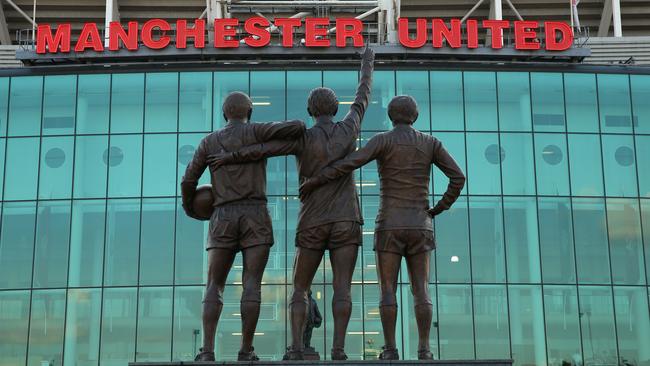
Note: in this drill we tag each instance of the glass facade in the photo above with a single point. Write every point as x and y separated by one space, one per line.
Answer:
544 258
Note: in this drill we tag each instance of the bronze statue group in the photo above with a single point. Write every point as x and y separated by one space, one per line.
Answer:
330 217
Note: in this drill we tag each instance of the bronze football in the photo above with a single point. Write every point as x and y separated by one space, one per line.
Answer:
203 200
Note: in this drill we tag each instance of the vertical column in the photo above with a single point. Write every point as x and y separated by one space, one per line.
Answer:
112 14
616 13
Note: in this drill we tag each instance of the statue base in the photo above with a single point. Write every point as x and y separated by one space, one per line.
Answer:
310 354
339 363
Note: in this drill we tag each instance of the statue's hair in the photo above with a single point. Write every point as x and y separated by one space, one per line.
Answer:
237 105
322 102
403 109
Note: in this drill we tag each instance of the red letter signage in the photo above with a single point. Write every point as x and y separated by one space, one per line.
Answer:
147 34
287 25
89 38
452 35
259 37
224 30
526 35
566 40
496 29
349 28
197 32
420 33
46 43
314 32
116 34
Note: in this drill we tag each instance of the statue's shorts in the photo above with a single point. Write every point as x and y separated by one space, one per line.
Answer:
240 226
406 242
330 236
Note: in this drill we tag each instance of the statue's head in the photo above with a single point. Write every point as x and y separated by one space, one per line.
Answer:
237 106
403 109
322 102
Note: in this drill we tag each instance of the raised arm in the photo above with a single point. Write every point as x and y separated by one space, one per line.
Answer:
344 166
362 98
255 152
289 130
448 166
190 180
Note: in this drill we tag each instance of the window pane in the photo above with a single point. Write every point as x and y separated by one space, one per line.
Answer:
633 325
4 101
452 253
25 106
56 167
187 322
456 330
522 240
486 227
368 180
344 84
590 230
562 325
454 143
614 100
514 101
93 103
87 243
548 101
14 323
82 329
154 324
90 166
225 83
643 154
416 84
518 167
491 322
585 166
275 270
17 243
118 326
483 159
124 160
122 239
374 332
645 219
157 241
447 110
527 325
59 104
581 102
267 93
410 332
190 248
46 328
22 169
625 242
161 102
480 101
597 322
299 85
159 170
195 109
640 97
556 240
383 90
52 242
3 142
551 164
127 103
620 169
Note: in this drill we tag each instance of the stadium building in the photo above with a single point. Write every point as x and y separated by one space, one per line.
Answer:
544 259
